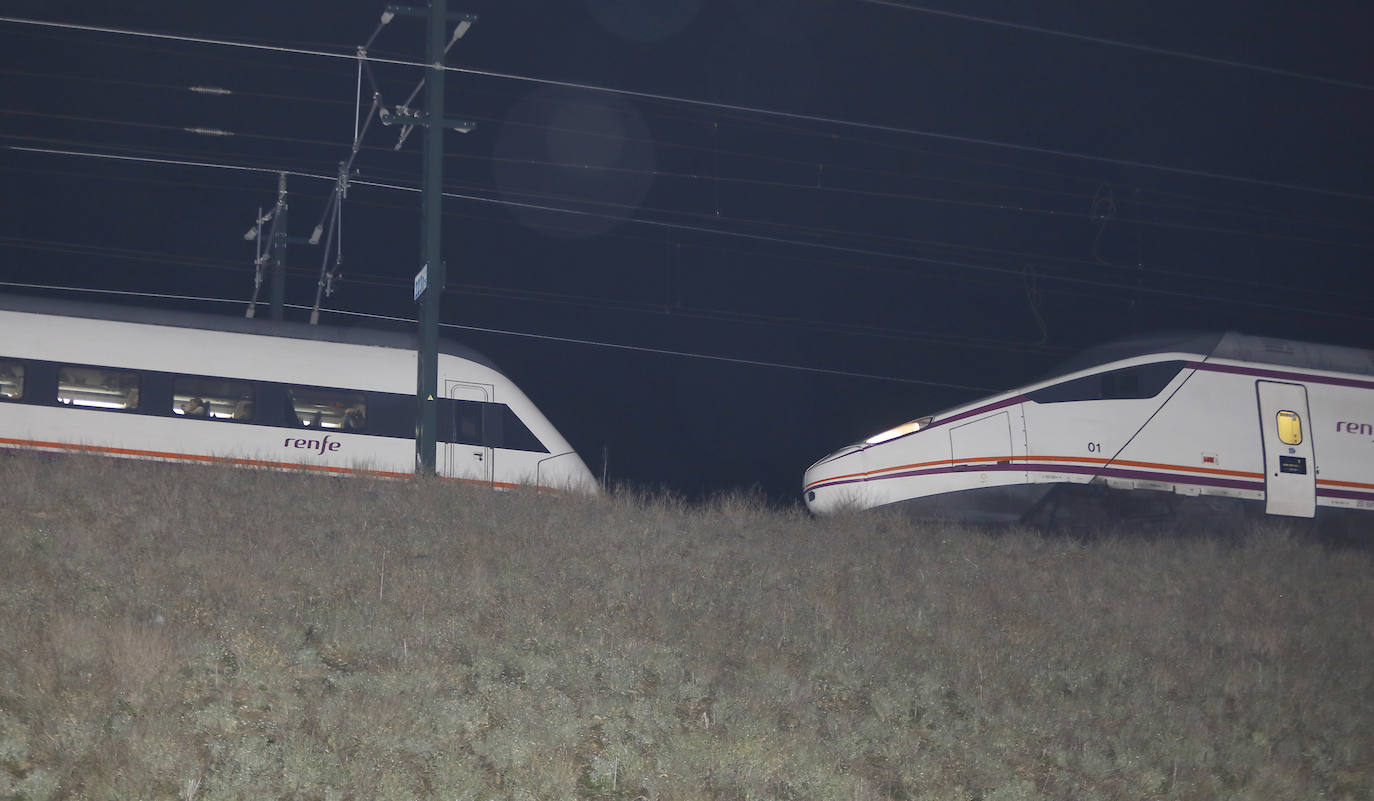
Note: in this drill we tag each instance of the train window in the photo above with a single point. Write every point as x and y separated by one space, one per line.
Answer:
327 408
97 387
516 435
1290 428
494 425
212 398
1144 381
467 422
390 415
11 380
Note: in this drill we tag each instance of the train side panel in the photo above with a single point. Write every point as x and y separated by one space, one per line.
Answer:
1073 442
1204 440
132 429
1078 428
979 449
1342 433
1286 425
193 351
129 435
557 466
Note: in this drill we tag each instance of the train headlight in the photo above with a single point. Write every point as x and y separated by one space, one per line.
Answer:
900 431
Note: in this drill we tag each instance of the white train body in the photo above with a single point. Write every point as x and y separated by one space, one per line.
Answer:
201 389
1286 424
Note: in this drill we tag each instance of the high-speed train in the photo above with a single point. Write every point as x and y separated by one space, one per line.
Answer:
196 388
1289 425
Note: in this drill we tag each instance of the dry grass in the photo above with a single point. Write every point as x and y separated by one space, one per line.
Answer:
196 633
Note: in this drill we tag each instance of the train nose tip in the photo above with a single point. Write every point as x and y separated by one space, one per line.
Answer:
808 491
834 482
828 500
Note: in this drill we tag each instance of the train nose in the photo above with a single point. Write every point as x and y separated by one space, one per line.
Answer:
834 482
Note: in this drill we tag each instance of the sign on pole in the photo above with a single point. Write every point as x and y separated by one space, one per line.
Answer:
421 281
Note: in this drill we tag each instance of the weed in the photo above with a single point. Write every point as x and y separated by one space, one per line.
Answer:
200 634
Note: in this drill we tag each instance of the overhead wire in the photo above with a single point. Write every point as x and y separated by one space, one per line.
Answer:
134 153
908 257
772 223
895 129
1007 206
664 144
536 295
988 204
752 120
507 293
694 102
527 335
756 237
108 251
1229 207
602 303
160 127
172 87
470 289
1003 206
197 54
1244 211
96 176
814 230
1101 40
1022 209
742 180
854 249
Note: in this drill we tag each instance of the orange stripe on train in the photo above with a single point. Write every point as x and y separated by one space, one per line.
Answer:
235 461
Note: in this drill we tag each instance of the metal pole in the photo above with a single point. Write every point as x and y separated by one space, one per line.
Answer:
427 380
279 251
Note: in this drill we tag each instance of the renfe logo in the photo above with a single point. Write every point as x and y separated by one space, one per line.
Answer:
1354 428
320 446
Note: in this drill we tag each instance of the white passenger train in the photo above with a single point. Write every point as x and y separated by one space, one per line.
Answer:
188 387
1286 424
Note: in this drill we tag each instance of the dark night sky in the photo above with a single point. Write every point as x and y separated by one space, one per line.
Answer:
1009 195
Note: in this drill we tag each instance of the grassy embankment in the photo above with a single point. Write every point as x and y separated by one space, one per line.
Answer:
197 633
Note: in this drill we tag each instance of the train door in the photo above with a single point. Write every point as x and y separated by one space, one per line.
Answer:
468 456
1290 472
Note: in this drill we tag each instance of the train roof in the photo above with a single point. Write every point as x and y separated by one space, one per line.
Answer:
1266 350
1228 345
352 335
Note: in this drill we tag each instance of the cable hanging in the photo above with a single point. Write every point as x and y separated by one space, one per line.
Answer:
754 110
527 335
1159 51
739 235
333 212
